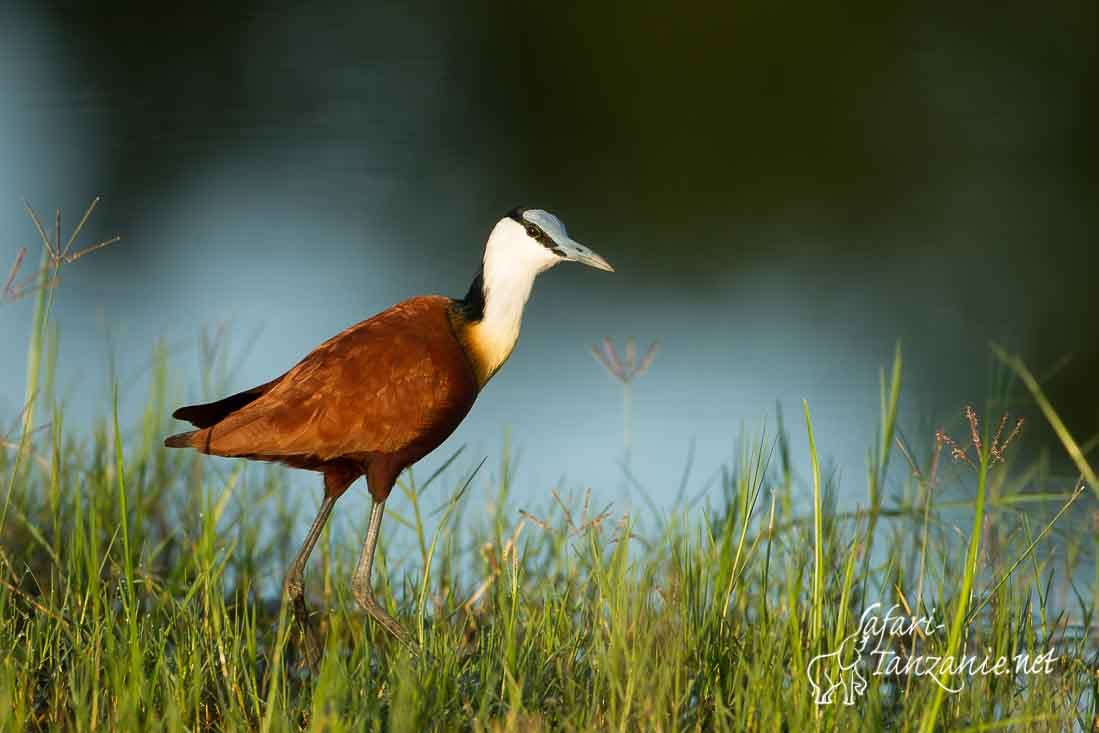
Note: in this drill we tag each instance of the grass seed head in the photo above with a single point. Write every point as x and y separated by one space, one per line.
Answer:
996 448
627 367
57 255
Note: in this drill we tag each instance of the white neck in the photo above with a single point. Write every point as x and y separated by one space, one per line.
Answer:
511 263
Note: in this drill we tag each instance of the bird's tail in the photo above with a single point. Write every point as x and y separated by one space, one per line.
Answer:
180 440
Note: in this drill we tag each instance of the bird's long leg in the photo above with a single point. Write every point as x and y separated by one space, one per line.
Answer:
360 582
294 587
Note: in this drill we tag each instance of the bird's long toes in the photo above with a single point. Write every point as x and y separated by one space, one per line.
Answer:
373 609
308 643
310 649
395 629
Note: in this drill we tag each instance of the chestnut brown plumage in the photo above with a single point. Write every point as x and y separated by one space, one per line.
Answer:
372 400
384 393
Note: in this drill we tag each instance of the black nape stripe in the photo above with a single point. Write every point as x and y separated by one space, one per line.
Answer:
472 307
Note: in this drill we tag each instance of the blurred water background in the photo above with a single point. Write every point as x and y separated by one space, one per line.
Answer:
785 190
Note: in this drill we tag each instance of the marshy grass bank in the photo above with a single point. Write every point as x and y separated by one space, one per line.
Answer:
139 589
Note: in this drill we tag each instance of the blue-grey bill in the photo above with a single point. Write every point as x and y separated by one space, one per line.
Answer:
576 252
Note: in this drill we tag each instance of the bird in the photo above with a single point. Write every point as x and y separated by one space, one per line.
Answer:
382 394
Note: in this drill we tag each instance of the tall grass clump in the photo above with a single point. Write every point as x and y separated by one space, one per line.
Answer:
139 589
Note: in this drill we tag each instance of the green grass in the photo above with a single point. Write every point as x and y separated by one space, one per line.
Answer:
138 590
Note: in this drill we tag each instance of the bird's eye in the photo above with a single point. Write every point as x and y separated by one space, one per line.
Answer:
532 232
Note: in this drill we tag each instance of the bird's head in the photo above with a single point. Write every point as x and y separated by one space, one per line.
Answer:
522 244
530 241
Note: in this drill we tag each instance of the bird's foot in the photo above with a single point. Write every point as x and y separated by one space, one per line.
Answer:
368 603
306 637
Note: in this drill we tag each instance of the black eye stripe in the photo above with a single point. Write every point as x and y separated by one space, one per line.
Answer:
545 240
538 234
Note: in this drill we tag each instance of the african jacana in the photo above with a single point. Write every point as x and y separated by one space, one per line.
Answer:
384 393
